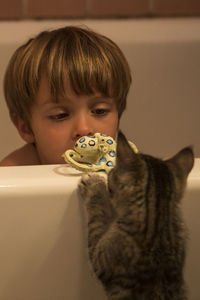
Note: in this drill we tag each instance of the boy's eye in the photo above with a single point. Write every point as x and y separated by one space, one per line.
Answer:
100 111
59 117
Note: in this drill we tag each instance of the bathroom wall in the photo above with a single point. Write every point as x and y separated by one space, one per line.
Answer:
21 9
162 115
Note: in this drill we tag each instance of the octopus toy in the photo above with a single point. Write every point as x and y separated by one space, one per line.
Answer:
93 153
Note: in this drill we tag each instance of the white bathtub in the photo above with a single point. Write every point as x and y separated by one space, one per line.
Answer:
42 240
43 247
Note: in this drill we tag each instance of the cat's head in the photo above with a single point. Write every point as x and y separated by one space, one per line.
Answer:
134 170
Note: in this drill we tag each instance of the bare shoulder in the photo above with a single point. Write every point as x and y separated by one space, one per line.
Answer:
26 155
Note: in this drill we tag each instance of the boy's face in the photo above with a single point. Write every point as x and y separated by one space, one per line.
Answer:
56 126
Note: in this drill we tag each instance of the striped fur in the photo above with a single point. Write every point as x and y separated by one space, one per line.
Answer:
136 235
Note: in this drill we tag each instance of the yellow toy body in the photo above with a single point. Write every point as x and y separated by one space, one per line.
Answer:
93 153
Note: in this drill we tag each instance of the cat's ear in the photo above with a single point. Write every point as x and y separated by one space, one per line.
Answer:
184 160
125 153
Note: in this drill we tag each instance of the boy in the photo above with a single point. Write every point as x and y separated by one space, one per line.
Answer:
61 85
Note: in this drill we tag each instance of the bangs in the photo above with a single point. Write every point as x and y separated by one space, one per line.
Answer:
89 63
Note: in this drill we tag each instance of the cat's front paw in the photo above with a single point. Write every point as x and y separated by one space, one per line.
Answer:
91 184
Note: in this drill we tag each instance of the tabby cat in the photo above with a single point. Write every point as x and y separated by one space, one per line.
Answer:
136 236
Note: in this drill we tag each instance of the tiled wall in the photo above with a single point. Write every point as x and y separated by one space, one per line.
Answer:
26 9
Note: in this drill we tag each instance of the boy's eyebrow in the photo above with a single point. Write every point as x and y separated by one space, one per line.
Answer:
101 99
91 98
54 100
48 101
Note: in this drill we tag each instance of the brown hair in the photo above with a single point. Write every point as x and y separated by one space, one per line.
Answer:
91 62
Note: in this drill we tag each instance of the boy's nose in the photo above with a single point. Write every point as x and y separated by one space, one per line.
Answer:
82 127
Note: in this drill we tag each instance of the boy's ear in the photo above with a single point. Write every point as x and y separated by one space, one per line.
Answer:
23 129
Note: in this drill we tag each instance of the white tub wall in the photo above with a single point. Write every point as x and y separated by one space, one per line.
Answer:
43 235
163 104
